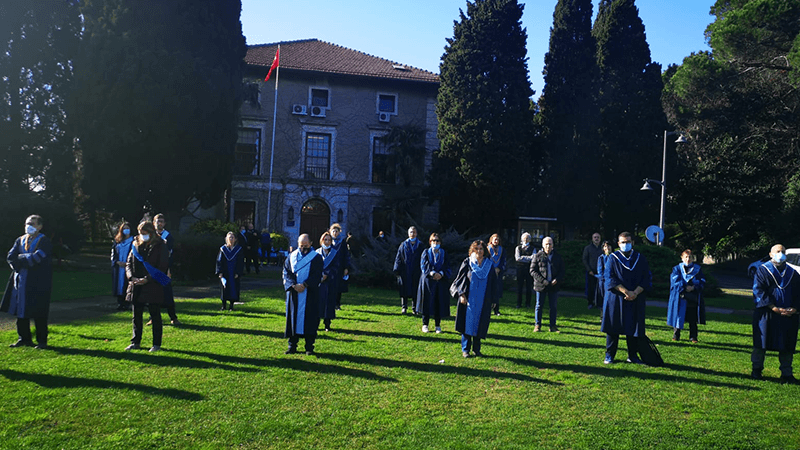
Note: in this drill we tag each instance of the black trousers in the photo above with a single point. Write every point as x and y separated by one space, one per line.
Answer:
155 316
524 280
24 330
612 342
251 258
309 337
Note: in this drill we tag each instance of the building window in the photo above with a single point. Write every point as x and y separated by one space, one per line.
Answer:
248 146
340 216
320 97
318 156
244 213
387 103
383 165
252 94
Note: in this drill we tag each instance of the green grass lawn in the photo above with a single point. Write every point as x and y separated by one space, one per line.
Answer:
223 381
71 284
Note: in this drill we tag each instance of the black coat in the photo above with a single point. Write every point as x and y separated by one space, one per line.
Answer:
157 255
539 271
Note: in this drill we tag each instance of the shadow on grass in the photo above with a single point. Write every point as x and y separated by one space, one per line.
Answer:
290 362
142 356
652 373
238 312
59 381
433 368
216 329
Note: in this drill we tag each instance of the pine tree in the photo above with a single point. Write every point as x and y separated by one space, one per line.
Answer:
632 121
159 90
485 120
569 116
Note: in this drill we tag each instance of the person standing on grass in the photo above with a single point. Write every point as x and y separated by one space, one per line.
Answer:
407 268
590 254
266 246
230 268
146 269
342 247
498 258
686 304
433 298
123 243
159 221
475 288
547 269
627 278
776 289
524 255
602 263
302 273
329 285
27 294
253 239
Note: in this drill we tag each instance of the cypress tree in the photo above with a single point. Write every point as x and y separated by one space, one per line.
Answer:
632 121
485 119
569 115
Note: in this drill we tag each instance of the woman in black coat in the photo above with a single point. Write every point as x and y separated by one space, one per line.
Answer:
146 268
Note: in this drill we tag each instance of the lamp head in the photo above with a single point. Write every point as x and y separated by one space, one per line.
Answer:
646 186
681 140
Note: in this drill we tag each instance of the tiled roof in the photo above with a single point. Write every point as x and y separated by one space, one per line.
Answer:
319 56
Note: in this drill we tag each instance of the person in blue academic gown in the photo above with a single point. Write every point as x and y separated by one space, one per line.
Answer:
627 278
27 295
230 268
159 221
329 284
776 289
123 242
686 303
475 288
602 263
498 257
407 268
433 297
342 247
302 273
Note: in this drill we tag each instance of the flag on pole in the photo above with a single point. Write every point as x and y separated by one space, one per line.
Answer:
274 63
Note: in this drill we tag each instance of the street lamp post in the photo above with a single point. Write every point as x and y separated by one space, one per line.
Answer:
663 181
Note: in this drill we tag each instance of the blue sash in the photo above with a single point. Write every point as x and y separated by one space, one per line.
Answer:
688 276
157 275
301 266
123 249
495 257
619 256
781 280
436 262
477 295
327 260
230 254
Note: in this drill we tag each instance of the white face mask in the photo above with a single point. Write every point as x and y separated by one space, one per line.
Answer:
626 247
435 246
326 247
145 237
126 232
30 229
779 257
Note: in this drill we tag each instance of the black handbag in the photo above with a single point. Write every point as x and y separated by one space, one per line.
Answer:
649 352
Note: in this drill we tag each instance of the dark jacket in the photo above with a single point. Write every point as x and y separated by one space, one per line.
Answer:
589 257
539 271
157 255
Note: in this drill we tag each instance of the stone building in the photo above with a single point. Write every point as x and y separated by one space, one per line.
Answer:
334 105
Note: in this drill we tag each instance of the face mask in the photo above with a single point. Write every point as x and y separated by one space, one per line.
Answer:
326 247
626 247
779 257
30 229
435 246
145 237
126 232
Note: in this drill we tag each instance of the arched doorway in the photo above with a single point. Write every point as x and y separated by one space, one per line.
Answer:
315 219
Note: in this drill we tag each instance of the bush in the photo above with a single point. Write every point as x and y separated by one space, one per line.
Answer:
213 227
279 241
61 224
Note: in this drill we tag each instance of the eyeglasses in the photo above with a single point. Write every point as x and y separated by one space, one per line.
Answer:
435 240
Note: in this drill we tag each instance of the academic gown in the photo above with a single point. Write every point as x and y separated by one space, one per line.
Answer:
771 287
302 309
602 262
230 262
27 294
619 315
119 253
344 263
478 285
498 262
169 297
677 307
329 289
407 266
430 291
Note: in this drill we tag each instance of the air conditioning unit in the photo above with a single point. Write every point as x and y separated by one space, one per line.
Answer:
384 117
317 111
300 110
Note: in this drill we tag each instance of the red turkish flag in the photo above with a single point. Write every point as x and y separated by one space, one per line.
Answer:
274 63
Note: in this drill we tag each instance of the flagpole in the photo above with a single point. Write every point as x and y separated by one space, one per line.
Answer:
272 151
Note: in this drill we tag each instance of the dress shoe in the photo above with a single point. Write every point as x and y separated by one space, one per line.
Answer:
555 330
155 348
21 343
756 374
788 379
477 353
132 347
42 347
